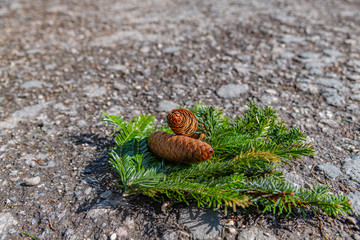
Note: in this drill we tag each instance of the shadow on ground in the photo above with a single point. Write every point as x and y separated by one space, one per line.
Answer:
98 173
102 178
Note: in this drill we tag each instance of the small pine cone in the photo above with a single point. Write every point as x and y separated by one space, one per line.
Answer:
179 149
183 122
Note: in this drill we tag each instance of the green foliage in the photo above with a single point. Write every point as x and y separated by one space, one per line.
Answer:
242 171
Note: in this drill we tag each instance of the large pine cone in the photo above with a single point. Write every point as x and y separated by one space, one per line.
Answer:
179 149
183 122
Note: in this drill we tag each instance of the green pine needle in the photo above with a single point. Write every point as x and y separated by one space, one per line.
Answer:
243 169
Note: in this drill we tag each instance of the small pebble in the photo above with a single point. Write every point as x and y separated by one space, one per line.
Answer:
122 232
232 90
113 236
88 190
105 194
351 220
32 181
170 50
232 230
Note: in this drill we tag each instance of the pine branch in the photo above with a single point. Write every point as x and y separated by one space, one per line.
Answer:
139 127
132 172
279 196
242 171
205 195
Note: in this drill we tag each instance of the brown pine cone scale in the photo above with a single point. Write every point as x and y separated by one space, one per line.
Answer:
183 122
178 148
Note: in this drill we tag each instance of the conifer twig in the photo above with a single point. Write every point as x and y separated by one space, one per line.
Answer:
242 169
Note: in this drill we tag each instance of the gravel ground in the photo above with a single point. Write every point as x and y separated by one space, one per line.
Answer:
64 63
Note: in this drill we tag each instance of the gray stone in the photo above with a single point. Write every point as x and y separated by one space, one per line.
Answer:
355 202
309 55
329 82
70 234
241 68
244 58
94 91
232 90
122 232
3 148
353 107
332 53
15 5
294 178
271 91
316 71
23 114
269 99
106 194
145 49
28 160
311 88
32 181
78 194
120 86
88 190
30 111
129 222
255 233
58 9
120 36
232 230
12 231
202 223
311 65
354 77
330 123
51 164
331 171
354 62
170 50
119 67
113 236
42 156
169 235
335 100
32 84
286 55
292 39
275 80
327 92
60 107
166 106
115 110
22 213
355 97
351 220
135 113
100 209
6 222
355 236
351 167
3 11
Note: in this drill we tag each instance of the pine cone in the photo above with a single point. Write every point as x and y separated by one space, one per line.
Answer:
183 122
179 149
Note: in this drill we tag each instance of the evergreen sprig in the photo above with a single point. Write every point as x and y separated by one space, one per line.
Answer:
243 169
